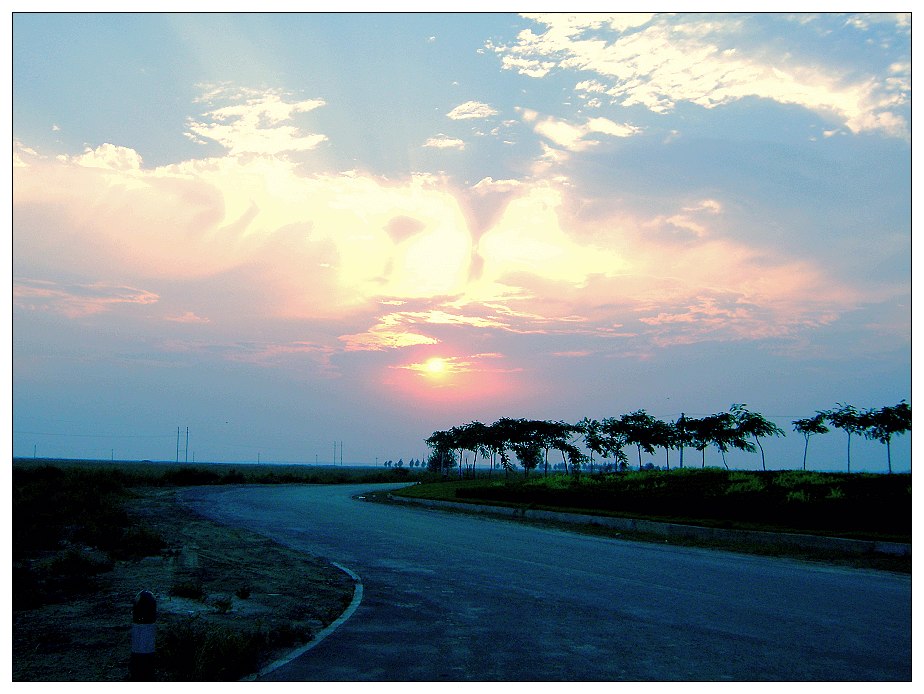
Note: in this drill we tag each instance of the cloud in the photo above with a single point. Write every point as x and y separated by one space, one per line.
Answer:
444 142
76 300
188 317
658 62
296 355
574 137
326 243
471 109
254 123
489 185
108 156
401 329
395 264
388 333
303 246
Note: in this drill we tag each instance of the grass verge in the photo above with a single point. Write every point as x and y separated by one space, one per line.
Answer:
876 507
229 601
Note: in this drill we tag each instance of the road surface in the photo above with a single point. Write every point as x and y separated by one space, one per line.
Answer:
456 597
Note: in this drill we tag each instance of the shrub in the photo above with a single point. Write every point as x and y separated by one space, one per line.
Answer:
223 605
195 651
188 588
139 542
749 485
75 563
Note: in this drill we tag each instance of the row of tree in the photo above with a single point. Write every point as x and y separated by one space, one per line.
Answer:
411 463
532 440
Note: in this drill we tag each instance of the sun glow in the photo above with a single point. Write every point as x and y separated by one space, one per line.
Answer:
435 366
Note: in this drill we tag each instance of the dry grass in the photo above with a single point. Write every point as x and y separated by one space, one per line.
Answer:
225 596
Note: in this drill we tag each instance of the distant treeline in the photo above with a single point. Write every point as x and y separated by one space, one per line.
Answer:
739 428
146 473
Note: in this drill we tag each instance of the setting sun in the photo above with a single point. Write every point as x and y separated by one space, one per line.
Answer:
435 366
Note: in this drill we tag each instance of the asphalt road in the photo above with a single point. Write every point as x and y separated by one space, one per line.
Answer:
457 597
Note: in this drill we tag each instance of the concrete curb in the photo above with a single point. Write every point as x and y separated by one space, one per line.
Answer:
321 635
762 538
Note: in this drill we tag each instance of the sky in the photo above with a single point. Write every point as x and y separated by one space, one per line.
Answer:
307 236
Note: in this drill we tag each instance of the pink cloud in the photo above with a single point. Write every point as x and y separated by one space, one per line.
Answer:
188 317
76 300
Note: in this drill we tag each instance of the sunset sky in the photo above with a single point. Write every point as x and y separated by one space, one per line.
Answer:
288 230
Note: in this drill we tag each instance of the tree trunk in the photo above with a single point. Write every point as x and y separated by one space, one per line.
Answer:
763 461
805 454
667 459
681 456
848 452
889 454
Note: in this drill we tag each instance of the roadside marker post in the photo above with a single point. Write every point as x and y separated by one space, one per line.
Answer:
144 626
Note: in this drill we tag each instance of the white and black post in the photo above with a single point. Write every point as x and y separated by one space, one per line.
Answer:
144 626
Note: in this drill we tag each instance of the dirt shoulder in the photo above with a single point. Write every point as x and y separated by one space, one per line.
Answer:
212 583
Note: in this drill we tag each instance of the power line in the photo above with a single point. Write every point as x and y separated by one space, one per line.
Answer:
97 436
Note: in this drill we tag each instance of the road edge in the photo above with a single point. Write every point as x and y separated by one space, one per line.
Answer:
321 635
676 530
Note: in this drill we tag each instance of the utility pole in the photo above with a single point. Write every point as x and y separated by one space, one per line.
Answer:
341 454
187 444
178 444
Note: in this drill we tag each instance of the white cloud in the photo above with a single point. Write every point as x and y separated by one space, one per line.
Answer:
444 142
471 109
255 123
574 138
188 317
108 156
659 62
488 184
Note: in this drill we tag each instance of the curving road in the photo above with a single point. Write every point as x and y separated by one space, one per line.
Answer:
458 597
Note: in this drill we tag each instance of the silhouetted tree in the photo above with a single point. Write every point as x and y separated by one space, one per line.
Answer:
682 435
848 418
504 433
613 437
700 434
663 435
529 454
638 428
755 425
547 435
808 427
442 458
884 423
723 432
591 431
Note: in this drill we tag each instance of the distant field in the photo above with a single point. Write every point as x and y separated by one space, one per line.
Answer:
862 506
147 473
